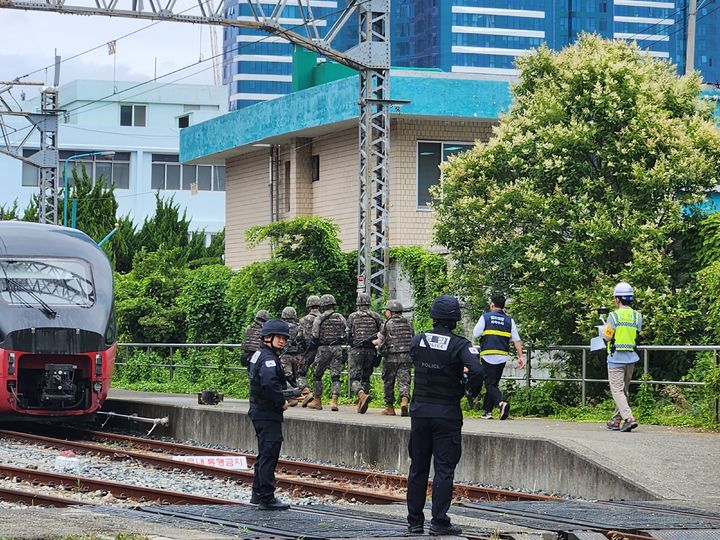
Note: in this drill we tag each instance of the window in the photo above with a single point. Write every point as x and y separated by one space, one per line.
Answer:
168 173
429 157
287 186
184 121
110 169
133 115
43 282
315 169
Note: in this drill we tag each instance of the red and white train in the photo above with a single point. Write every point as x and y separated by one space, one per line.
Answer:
57 322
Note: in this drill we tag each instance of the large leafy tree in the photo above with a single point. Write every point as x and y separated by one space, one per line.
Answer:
587 181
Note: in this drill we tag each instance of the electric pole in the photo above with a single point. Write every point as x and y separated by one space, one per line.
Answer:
690 48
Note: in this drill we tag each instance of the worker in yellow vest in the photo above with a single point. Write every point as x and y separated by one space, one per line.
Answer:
621 334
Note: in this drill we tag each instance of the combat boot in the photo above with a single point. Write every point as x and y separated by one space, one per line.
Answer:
389 410
404 406
315 403
333 403
292 402
363 402
307 399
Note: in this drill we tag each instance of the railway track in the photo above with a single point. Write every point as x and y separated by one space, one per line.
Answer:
296 486
344 475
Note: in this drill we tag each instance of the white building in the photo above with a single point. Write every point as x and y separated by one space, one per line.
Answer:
140 123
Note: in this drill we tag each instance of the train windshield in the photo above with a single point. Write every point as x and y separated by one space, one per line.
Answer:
45 281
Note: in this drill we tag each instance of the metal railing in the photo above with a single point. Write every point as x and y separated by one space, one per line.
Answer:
527 377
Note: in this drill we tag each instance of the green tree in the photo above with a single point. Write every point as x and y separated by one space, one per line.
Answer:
96 205
584 185
10 212
203 301
146 298
307 259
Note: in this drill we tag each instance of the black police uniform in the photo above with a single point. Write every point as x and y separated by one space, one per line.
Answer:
267 381
439 357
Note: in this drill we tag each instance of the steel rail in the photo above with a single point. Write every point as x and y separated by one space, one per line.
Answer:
121 491
245 477
325 472
35 499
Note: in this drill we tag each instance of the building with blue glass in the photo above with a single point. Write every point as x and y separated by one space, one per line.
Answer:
474 36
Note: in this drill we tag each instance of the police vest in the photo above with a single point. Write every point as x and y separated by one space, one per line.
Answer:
438 377
626 328
257 397
497 333
399 333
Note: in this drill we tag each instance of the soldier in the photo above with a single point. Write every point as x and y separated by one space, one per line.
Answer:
329 331
363 326
305 337
394 338
251 343
291 358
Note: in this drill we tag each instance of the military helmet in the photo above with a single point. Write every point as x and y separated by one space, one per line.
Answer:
445 308
262 315
327 300
312 301
289 313
363 299
275 327
394 305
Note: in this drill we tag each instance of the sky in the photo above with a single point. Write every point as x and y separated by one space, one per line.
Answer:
28 41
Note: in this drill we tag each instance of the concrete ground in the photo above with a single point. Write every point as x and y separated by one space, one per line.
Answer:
668 462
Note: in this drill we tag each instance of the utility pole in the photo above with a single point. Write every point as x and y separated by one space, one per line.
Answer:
371 58
690 48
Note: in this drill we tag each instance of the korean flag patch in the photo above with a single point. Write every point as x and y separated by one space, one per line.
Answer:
270 363
473 350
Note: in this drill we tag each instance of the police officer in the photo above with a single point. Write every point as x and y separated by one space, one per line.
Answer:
291 357
251 343
267 403
496 329
440 357
394 339
329 332
621 333
305 337
363 326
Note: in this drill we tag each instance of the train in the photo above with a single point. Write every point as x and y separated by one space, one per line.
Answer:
58 333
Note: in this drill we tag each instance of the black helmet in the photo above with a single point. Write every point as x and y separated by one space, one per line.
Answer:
445 308
275 327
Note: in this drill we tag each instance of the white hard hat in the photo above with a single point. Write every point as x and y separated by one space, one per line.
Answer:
623 289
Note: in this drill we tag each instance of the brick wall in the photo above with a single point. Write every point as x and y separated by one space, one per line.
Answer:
335 195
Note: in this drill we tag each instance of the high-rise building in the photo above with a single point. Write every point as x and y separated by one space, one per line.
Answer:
478 36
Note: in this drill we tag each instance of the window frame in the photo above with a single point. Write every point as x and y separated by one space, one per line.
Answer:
133 115
174 160
426 207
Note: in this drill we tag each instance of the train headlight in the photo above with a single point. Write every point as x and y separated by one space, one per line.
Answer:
11 364
98 365
97 386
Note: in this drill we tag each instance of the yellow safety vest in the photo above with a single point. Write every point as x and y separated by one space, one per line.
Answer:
626 329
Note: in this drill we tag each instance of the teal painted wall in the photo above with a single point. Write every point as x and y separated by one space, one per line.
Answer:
336 102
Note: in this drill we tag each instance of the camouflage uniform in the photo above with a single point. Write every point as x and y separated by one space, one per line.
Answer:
329 330
363 326
304 337
292 358
396 334
251 343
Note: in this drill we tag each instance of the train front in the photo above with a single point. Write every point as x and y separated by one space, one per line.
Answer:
57 323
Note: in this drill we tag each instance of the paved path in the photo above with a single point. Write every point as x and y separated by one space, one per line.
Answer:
675 463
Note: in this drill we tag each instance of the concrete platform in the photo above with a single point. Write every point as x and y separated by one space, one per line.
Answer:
577 459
